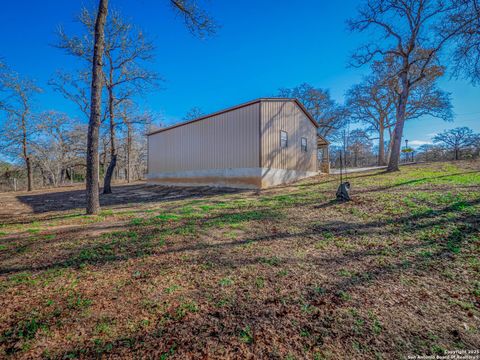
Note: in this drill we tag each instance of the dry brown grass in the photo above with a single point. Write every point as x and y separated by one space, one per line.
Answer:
283 273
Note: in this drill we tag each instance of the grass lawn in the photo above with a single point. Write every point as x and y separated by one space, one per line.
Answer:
284 273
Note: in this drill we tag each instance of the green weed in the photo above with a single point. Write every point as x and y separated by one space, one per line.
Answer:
246 335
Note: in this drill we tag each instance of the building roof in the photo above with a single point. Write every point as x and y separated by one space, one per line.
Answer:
300 105
321 140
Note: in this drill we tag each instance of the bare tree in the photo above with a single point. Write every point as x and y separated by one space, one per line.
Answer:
359 146
196 20
456 139
429 152
427 99
60 145
74 87
409 32
16 134
466 55
135 122
126 49
374 101
371 103
92 191
329 115
193 113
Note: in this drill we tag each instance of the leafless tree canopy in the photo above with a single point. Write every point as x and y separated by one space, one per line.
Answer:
125 73
411 36
193 113
196 19
466 55
457 139
372 103
375 100
329 115
15 136
59 147
74 87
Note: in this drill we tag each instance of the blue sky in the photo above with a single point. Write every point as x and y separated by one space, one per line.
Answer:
261 46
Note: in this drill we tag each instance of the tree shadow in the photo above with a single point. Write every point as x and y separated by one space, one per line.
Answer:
140 240
122 195
132 241
415 181
328 204
333 291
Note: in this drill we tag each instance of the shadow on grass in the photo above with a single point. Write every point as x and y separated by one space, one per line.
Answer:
415 181
132 242
336 178
334 294
144 239
328 204
122 195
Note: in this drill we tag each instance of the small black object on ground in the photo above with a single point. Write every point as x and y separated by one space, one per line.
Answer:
343 192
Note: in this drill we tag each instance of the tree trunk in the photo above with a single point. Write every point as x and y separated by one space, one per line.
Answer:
390 142
63 176
104 156
92 191
400 123
44 177
396 145
107 188
381 146
28 163
107 184
129 151
457 153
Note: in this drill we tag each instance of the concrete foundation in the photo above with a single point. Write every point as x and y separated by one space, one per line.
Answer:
246 178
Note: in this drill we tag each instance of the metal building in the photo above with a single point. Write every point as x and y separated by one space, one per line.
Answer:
258 144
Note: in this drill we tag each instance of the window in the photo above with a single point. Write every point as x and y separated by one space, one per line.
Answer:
283 139
303 144
320 154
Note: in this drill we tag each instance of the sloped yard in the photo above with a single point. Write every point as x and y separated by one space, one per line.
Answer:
284 273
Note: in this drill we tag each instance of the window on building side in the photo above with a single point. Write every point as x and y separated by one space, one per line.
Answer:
283 139
303 144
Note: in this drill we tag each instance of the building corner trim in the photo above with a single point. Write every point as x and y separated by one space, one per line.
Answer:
260 163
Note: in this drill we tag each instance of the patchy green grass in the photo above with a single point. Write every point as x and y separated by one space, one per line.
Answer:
285 272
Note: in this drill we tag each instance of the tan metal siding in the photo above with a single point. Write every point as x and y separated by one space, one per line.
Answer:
227 140
287 116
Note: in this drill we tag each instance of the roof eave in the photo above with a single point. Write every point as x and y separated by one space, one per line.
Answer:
309 116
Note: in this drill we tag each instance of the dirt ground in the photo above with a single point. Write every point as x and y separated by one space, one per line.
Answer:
15 205
284 273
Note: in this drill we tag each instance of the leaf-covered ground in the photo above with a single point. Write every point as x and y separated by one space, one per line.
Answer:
284 273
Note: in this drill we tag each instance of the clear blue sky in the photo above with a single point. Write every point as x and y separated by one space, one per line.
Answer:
260 47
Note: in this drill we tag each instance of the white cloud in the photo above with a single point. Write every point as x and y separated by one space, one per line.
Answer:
416 143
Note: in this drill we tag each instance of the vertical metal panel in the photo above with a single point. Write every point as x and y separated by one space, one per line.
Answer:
227 140
284 115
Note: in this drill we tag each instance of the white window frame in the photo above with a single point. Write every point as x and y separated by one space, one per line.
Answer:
302 147
283 142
